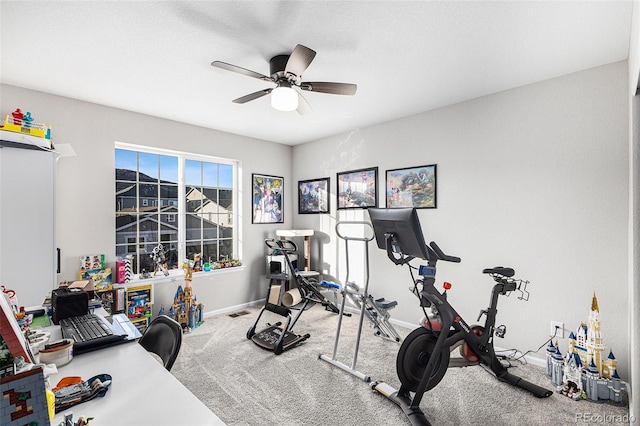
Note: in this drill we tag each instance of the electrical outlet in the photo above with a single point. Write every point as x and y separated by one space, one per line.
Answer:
560 326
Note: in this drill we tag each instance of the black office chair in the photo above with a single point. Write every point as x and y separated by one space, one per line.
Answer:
163 337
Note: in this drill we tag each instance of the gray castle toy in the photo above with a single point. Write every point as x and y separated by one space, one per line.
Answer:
583 372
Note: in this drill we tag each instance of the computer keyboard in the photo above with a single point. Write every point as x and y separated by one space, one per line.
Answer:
89 332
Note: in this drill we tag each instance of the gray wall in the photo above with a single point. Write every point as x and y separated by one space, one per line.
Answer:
535 178
85 212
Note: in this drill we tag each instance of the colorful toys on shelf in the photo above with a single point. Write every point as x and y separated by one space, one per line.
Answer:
19 122
197 264
226 263
584 372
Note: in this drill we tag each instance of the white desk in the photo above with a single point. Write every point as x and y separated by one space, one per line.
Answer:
142 391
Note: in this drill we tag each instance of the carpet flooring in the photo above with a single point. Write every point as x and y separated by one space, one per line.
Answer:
246 385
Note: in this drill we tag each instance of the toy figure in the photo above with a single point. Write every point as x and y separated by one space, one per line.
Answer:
191 266
159 257
196 262
83 422
188 273
17 117
27 120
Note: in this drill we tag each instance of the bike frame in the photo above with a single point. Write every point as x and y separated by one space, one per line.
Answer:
455 328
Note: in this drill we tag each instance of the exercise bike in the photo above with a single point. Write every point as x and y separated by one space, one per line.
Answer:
424 356
278 337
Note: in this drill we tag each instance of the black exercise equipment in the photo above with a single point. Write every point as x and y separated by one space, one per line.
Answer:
424 357
278 337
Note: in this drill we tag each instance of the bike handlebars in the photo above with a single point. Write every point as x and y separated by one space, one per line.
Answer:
286 246
440 254
434 253
365 238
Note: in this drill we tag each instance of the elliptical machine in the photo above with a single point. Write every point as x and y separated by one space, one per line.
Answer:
424 356
377 310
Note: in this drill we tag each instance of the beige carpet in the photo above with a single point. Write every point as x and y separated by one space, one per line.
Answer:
246 385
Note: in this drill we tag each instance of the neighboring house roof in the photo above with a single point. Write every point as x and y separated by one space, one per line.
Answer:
124 220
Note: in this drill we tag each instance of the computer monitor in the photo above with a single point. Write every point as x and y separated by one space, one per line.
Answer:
405 226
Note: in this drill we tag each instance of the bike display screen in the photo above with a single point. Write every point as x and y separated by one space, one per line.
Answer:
405 227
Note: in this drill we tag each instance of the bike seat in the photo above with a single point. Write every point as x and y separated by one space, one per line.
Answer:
500 270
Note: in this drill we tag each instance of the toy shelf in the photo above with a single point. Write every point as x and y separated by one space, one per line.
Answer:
20 140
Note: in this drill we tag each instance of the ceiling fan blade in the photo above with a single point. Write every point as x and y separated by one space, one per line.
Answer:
299 60
240 70
252 96
303 106
333 88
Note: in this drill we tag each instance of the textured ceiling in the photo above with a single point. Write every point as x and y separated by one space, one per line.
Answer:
406 57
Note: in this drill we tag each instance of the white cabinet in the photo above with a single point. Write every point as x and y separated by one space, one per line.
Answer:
28 259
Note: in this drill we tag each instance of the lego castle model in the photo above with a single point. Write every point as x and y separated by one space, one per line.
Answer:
583 372
186 309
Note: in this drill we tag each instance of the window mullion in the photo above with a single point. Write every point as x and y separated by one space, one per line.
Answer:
138 268
182 208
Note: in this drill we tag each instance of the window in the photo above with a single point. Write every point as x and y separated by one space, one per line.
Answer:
184 202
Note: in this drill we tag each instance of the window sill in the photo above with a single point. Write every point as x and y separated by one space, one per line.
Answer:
178 274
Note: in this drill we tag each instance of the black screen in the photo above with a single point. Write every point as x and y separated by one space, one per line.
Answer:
405 226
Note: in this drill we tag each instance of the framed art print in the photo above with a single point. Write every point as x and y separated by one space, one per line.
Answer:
411 187
267 194
358 189
313 196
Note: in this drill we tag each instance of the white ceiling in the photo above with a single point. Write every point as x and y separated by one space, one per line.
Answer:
406 57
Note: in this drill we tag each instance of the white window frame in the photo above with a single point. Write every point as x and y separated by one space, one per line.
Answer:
237 203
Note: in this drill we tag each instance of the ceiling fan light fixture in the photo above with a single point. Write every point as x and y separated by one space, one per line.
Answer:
284 98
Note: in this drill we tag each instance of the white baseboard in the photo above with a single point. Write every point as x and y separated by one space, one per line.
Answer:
233 308
404 324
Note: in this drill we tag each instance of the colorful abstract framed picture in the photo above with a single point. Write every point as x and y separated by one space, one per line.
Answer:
411 187
267 198
313 196
358 189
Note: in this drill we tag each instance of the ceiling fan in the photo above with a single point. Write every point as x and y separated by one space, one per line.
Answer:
286 73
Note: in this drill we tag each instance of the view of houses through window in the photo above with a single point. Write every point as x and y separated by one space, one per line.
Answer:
183 202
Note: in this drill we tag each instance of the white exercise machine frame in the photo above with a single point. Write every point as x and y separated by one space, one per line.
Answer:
375 310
